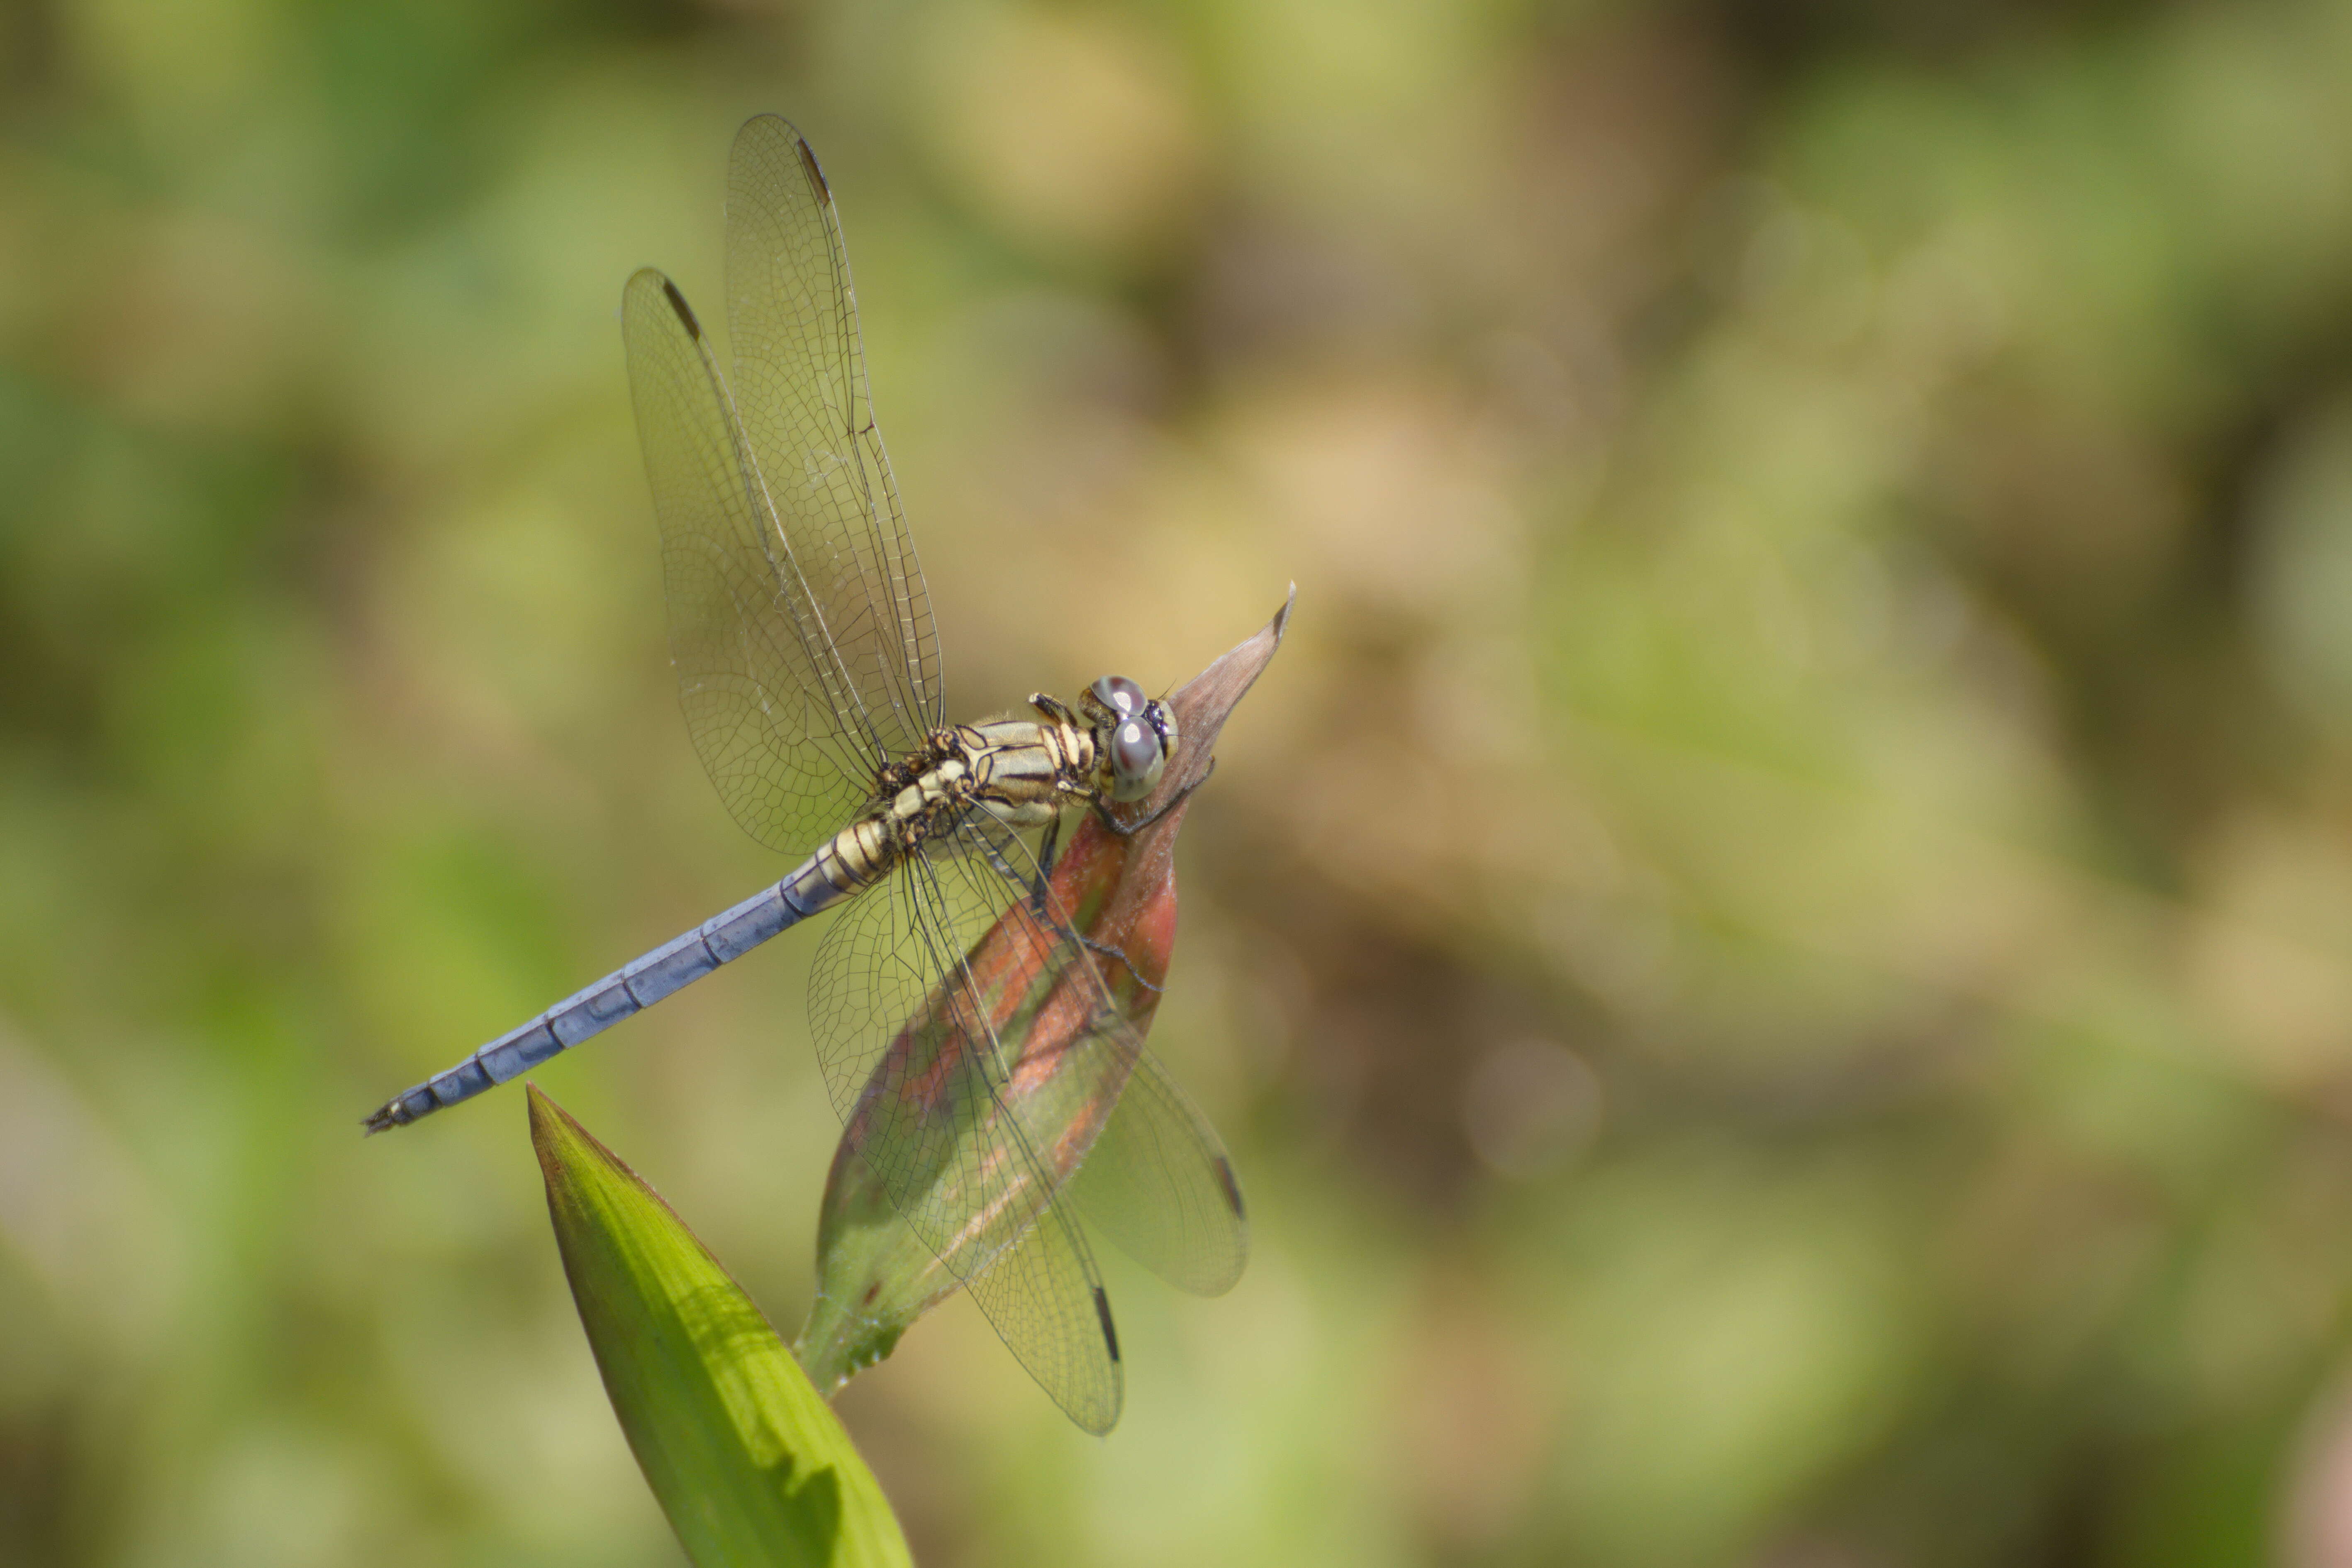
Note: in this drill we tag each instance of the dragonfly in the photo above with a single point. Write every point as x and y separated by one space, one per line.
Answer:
809 671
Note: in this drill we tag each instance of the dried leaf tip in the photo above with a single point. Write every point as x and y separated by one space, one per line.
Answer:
1281 622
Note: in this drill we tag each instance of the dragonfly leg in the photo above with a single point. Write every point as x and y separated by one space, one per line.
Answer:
1047 851
1128 830
1118 953
1040 891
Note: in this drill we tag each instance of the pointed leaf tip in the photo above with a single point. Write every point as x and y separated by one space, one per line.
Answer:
748 1462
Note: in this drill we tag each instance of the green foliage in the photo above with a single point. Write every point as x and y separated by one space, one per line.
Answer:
748 1461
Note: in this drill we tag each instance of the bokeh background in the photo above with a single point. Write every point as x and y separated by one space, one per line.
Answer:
1775 948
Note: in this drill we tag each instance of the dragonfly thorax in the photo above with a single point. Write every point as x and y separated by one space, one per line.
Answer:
1112 746
1022 772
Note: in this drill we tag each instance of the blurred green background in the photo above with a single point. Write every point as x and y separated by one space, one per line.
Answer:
1775 948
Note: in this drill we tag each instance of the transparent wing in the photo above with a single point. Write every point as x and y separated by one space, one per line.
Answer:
1044 1297
1158 1184
954 945
808 418
875 971
976 1108
771 708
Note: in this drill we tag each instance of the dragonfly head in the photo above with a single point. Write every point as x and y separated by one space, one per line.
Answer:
1134 735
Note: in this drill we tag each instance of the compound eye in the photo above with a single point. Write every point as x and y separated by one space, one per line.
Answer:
1121 696
1136 760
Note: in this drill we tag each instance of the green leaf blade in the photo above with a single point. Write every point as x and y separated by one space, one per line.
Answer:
746 1460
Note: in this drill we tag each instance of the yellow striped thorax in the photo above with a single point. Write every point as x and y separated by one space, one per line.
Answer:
1113 746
